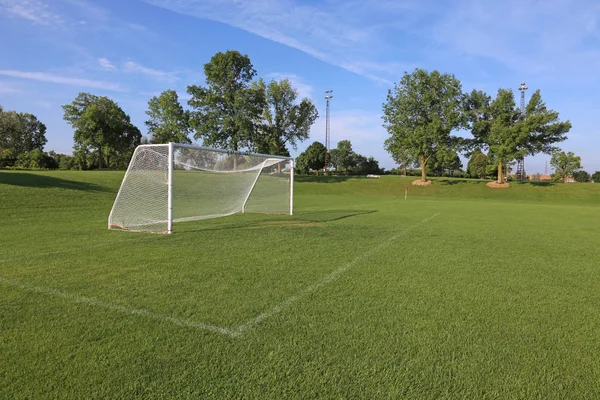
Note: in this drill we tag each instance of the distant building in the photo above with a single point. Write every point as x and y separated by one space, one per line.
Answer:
545 177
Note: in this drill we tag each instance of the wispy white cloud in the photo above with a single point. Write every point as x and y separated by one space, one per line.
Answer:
6 88
106 64
52 78
35 11
334 32
529 36
304 89
133 67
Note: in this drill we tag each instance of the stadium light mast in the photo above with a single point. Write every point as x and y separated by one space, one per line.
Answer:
328 96
521 162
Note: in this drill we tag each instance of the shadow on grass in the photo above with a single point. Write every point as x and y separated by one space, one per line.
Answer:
305 219
326 179
43 181
452 182
540 183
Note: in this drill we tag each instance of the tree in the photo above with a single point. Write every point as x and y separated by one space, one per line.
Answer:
565 164
581 176
313 158
104 134
168 122
444 162
366 165
596 177
333 159
402 157
285 122
494 125
421 112
478 163
508 133
345 155
20 133
226 113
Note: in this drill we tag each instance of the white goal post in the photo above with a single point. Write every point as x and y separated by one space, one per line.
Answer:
167 183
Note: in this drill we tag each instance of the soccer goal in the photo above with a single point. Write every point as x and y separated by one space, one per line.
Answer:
168 183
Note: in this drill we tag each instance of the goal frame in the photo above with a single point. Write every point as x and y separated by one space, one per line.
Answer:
171 147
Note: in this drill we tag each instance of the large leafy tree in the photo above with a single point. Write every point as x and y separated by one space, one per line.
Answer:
444 161
104 134
421 112
478 164
313 158
366 165
285 120
346 158
582 176
20 133
402 156
507 132
596 176
227 111
565 164
168 121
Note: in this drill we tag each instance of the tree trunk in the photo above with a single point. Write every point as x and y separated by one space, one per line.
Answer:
423 168
565 179
404 169
500 175
99 157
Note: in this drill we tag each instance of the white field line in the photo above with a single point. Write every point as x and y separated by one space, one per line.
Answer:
115 307
317 285
236 332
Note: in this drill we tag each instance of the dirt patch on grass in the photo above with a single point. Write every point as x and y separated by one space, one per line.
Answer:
419 182
496 185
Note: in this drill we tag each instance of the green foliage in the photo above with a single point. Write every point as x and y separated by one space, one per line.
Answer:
20 133
104 134
509 134
226 112
478 165
366 165
402 156
444 162
596 176
285 122
565 164
168 121
421 112
581 176
333 159
346 158
313 158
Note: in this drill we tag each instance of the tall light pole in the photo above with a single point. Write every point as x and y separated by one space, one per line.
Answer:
521 162
328 96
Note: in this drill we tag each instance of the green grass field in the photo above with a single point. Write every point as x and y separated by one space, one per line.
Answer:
458 292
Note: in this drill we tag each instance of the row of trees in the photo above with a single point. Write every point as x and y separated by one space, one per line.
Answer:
341 159
22 140
232 111
424 109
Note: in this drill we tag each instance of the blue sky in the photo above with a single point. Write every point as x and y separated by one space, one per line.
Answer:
131 50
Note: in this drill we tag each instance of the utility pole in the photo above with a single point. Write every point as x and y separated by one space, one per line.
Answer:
328 96
521 162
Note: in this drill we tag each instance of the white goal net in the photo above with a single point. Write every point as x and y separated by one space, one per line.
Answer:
168 183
